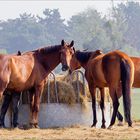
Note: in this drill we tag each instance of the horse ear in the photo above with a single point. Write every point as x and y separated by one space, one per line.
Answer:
74 49
85 49
72 43
19 53
99 51
62 43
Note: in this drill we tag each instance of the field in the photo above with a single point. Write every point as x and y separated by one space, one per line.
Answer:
135 104
74 132
80 131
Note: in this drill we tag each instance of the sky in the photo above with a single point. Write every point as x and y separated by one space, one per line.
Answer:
12 9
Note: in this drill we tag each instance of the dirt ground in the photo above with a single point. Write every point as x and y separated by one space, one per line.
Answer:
73 132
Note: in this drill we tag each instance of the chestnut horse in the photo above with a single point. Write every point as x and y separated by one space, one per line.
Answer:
107 70
30 70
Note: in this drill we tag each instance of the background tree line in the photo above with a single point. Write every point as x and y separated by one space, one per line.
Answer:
120 29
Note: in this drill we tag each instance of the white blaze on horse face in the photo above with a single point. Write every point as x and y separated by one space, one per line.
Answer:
64 59
66 54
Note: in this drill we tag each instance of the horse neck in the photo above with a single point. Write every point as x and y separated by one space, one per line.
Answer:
80 60
53 60
83 65
49 60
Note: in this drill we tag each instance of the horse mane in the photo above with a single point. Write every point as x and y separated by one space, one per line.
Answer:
49 49
83 56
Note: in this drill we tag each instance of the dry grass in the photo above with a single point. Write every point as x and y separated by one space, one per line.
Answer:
74 132
67 92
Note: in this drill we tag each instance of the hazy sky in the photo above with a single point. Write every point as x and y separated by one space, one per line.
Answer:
12 9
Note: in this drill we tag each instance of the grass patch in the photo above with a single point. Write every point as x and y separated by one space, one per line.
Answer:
135 104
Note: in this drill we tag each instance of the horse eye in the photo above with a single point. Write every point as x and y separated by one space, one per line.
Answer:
71 52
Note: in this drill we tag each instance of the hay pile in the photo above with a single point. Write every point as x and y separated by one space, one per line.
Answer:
66 93
66 89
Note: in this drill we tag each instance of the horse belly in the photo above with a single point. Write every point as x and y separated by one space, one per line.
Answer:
19 85
98 76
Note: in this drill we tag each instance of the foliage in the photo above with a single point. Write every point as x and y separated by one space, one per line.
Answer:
88 29
130 17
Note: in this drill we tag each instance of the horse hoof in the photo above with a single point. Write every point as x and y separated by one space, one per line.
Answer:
36 126
103 126
32 126
2 127
93 125
130 126
18 127
120 124
110 127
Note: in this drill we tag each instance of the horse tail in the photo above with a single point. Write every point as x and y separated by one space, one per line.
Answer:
126 85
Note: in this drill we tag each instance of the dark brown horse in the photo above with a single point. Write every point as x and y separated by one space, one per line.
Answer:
107 70
30 70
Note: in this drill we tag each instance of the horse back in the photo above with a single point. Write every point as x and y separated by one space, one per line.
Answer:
111 64
21 68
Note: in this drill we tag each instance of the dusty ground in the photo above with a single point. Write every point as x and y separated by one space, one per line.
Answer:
73 132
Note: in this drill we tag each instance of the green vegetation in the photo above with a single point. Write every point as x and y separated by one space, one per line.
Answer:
135 104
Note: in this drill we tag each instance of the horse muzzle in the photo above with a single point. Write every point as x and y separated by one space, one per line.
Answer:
65 68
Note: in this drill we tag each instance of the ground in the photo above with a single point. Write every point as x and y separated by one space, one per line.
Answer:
81 132
73 132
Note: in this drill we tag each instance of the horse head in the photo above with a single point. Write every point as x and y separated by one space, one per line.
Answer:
81 58
67 52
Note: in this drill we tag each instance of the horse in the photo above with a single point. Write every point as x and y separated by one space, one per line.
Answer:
29 71
107 70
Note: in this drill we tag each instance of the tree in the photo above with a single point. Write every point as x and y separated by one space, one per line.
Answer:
87 30
131 16
54 25
23 33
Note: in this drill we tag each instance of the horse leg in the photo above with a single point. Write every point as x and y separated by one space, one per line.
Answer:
102 107
4 108
31 95
120 118
15 103
38 92
115 106
37 105
93 96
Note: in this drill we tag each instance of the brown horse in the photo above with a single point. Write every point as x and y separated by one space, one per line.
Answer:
107 70
30 70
